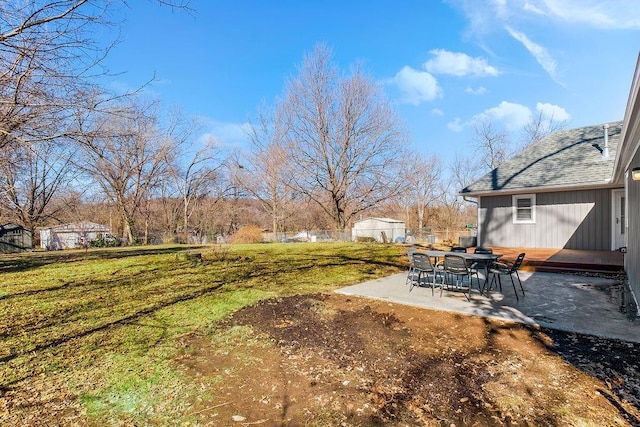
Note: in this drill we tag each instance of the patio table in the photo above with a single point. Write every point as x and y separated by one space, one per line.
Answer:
485 259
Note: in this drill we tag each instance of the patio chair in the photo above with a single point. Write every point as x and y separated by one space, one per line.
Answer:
456 267
411 273
458 249
499 269
481 265
423 266
482 250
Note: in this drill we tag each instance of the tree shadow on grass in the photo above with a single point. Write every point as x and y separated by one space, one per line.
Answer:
127 319
12 263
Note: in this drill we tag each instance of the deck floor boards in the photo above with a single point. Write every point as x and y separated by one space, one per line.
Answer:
565 259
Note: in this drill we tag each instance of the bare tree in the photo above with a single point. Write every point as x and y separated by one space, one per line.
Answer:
31 180
40 50
49 61
423 176
492 143
465 169
48 57
192 174
234 192
125 153
268 174
539 127
343 138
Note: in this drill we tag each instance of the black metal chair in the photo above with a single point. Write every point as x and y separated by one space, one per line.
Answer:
411 273
423 266
456 267
482 250
458 249
481 265
499 269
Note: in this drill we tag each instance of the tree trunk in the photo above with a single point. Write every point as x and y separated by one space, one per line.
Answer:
128 228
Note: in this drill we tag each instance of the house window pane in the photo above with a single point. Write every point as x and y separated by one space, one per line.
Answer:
524 209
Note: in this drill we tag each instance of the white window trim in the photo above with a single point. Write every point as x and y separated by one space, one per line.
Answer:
514 204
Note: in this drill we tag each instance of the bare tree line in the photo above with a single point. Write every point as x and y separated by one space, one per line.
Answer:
330 150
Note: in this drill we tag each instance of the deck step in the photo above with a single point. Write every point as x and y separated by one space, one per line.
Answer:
564 267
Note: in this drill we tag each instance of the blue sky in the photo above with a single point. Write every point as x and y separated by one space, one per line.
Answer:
442 64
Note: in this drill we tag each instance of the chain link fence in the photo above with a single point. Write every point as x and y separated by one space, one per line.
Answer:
464 237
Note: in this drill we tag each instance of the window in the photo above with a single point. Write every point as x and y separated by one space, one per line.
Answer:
524 209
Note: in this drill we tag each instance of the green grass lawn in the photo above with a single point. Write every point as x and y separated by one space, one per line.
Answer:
99 330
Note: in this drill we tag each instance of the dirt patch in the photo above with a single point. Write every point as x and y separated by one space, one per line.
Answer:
338 360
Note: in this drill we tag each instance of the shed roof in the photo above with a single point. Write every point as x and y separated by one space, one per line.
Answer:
10 226
390 220
81 226
566 159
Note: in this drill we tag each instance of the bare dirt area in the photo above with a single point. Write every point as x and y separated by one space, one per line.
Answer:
338 360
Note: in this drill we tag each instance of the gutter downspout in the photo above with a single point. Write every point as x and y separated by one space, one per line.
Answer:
469 200
477 217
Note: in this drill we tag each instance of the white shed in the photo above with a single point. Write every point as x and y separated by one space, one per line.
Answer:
73 235
389 229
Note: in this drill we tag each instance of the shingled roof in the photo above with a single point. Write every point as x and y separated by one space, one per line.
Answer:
564 160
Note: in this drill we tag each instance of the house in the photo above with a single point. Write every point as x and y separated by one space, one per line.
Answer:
627 173
15 238
72 235
380 229
575 189
557 193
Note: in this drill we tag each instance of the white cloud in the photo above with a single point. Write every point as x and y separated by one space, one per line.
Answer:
416 86
501 7
458 64
457 125
477 91
533 9
224 133
513 116
541 54
612 14
437 112
554 112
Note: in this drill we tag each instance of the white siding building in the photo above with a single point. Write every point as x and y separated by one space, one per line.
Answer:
70 236
381 229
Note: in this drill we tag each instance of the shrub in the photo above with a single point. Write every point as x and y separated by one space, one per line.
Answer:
106 241
249 234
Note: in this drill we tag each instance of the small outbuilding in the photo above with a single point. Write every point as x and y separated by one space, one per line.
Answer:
381 229
15 238
72 235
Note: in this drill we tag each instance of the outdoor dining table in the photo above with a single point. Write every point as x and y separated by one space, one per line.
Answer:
485 259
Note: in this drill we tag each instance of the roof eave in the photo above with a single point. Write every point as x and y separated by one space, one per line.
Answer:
542 189
627 148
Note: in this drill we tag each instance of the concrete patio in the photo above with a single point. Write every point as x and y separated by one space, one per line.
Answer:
587 305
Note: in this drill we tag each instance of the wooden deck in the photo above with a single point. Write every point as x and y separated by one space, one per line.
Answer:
565 260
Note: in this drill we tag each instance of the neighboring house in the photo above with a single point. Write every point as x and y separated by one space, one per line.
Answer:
15 238
381 229
557 193
73 235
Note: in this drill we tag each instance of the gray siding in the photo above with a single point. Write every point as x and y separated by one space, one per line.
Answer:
567 219
632 259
